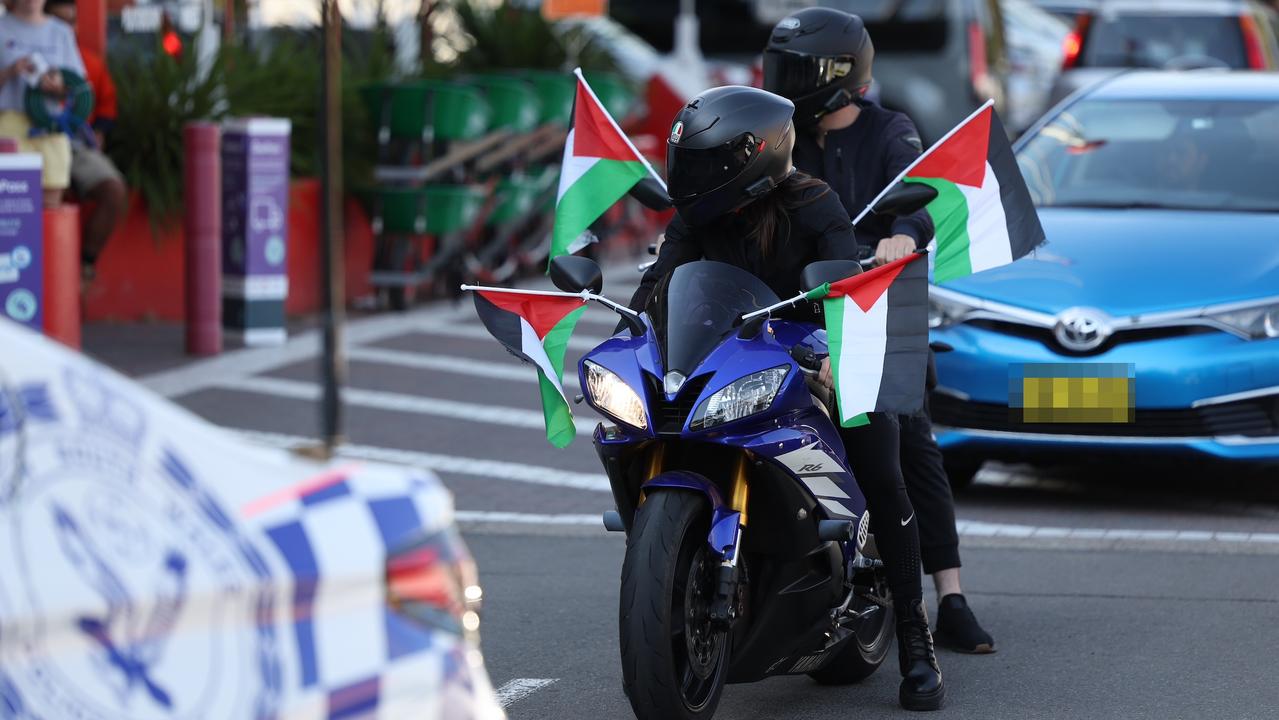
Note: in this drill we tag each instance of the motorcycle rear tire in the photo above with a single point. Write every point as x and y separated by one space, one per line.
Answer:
860 657
668 570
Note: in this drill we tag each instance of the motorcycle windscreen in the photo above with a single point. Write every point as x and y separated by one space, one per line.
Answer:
695 307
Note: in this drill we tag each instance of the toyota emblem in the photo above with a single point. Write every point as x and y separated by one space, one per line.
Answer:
1082 329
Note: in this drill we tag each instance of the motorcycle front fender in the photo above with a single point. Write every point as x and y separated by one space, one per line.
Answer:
724 520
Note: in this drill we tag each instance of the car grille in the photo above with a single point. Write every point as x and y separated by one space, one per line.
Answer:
669 417
1257 417
1045 335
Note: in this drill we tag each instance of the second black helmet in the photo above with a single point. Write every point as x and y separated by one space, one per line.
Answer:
819 58
728 147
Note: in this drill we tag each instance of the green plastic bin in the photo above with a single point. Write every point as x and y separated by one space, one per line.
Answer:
460 112
516 197
556 91
398 110
613 91
398 211
450 208
515 103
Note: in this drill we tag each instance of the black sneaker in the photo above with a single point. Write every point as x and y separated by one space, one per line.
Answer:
922 687
957 627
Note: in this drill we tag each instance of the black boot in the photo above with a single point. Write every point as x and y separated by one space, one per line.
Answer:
922 687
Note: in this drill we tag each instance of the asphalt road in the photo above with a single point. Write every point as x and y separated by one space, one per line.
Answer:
1131 591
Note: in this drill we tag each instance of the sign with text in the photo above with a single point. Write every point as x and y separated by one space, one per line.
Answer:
255 210
21 239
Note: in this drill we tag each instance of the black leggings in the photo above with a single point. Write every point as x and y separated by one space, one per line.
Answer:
929 491
874 457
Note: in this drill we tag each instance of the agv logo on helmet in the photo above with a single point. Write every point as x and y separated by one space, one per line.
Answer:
677 132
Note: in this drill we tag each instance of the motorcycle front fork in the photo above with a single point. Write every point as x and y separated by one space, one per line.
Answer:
723 608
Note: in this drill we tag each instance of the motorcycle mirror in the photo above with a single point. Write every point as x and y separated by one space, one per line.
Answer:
651 194
572 273
905 199
821 272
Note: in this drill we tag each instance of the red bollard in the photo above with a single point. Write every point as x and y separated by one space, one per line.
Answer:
62 274
202 226
8 145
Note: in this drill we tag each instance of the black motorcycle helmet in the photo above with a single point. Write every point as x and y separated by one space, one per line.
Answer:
728 147
820 58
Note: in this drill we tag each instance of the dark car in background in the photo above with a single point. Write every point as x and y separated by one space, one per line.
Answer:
1167 34
935 60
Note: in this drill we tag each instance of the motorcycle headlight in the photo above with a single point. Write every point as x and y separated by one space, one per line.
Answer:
746 396
944 312
1256 323
612 395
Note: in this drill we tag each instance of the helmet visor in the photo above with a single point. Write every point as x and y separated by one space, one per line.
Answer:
693 171
793 75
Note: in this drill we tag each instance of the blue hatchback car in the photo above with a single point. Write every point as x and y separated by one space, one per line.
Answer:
1148 324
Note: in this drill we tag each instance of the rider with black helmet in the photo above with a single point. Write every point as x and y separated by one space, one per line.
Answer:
821 58
740 201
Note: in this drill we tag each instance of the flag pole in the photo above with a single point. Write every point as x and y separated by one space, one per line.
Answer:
584 296
629 144
920 159
809 295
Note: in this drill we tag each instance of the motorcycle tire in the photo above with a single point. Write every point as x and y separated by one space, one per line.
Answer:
862 655
674 661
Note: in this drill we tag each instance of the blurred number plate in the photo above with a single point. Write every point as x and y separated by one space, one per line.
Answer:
769 12
1072 393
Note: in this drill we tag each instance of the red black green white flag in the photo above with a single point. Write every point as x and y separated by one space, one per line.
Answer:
877 331
983 212
600 166
536 329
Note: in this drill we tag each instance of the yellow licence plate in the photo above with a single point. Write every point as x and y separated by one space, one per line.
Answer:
1072 393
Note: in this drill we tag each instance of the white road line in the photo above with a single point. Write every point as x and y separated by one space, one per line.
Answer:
496 469
520 688
397 402
476 331
513 370
489 516
966 528
204 374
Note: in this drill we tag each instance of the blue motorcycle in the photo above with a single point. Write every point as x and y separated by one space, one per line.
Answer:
748 553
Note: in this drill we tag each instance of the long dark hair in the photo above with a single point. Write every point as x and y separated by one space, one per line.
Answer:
769 214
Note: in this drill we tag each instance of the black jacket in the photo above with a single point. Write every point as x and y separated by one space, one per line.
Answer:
859 160
819 229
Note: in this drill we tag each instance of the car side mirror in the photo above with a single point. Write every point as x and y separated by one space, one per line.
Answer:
821 272
905 199
572 273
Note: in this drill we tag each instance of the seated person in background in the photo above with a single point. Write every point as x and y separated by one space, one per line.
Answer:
28 39
93 176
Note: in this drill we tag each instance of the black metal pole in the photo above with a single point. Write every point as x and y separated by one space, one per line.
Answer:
332 274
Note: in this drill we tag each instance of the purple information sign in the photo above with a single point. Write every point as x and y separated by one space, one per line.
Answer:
21 240
255 210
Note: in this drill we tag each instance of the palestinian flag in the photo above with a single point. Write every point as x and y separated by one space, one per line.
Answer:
877 330
536 328
600 166
983 211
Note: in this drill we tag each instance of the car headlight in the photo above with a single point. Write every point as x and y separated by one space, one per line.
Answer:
1256 323
745 396
612 395
944 312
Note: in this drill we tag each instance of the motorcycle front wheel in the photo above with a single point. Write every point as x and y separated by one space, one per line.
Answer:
674 660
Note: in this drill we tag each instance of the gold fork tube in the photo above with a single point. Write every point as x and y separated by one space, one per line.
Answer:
741 489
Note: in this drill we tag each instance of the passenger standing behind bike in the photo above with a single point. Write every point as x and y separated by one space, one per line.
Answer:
821 60
740 201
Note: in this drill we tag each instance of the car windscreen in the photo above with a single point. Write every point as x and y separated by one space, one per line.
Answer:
1194 154
1140 40
695 307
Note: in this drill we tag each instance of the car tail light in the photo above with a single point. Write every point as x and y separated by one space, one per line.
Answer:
1073 45
977 59
1252 42
434 582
